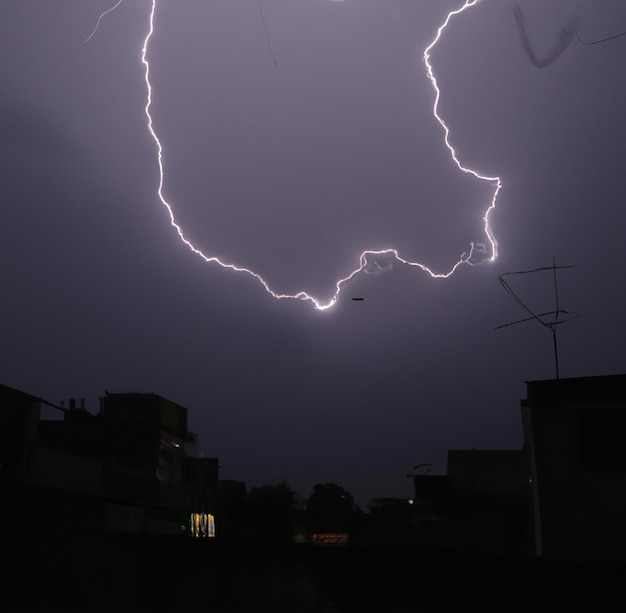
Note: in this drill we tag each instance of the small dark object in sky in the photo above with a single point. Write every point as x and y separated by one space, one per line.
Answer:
358 299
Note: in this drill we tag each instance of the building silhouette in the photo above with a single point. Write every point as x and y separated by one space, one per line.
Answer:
575 432
77 491
491 501
132 468
136 468
562 496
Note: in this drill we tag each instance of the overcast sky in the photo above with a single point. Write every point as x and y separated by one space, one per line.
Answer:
296 135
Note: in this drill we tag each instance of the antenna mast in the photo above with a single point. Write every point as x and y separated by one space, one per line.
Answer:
560 315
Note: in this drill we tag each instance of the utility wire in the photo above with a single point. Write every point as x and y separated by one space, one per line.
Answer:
551 324
601 40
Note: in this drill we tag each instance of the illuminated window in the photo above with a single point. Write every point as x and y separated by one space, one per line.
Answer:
202 525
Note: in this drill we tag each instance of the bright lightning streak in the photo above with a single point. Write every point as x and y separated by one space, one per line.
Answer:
95 29
495 180
465 258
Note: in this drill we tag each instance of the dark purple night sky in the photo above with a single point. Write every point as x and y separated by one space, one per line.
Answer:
292 169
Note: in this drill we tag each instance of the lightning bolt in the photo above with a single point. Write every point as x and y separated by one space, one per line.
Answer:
473 256
495 181
95 28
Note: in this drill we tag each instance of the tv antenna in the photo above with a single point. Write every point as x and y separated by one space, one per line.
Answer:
550 319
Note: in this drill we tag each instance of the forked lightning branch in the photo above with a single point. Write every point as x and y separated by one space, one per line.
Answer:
477 252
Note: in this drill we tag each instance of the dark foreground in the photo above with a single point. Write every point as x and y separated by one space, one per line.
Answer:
127 574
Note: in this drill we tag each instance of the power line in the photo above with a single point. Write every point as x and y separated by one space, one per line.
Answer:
548 319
